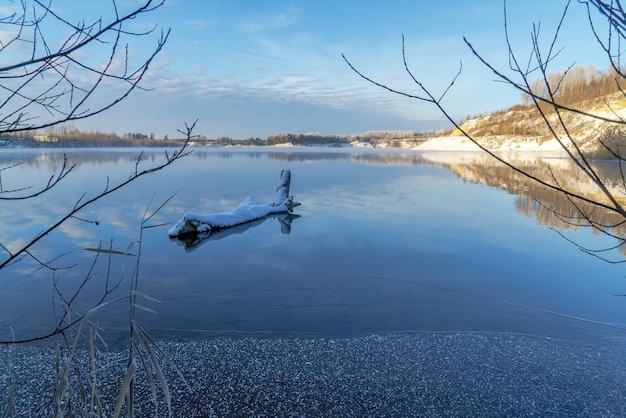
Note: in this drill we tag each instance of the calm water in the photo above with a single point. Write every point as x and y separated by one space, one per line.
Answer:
384 242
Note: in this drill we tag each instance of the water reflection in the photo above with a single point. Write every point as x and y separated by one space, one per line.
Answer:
547 206
389 241
533 200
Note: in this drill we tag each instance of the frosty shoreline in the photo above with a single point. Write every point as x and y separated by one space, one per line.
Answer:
423 374
500 144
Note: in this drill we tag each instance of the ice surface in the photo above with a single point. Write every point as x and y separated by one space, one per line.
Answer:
423 374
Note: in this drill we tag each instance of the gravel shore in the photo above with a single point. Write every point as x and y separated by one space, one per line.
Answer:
397 375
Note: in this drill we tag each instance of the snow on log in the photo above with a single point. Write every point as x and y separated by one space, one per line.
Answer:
193 241
247 211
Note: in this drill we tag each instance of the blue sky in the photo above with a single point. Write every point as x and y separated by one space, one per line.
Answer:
255 68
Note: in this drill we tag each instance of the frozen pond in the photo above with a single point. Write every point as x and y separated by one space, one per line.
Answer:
407 247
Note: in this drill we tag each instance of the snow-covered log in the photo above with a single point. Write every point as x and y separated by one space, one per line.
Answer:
247 211
192 241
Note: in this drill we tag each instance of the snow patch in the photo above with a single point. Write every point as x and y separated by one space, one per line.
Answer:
359 144
447 143
461 143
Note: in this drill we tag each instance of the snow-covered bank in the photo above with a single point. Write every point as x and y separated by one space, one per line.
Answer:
460 143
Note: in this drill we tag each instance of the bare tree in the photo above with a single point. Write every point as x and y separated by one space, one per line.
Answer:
64 71
57 80
541 87
61 68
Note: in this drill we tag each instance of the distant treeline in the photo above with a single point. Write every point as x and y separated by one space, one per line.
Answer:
306 139
331 139
69 136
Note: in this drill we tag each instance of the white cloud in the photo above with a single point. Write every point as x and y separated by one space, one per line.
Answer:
199 23
268 22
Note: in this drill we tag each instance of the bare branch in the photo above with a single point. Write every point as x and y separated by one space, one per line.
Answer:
82 204
54 86
52 181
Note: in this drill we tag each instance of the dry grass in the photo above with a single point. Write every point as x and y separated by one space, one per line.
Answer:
78 390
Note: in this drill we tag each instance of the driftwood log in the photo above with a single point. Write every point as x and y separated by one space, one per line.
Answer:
247 211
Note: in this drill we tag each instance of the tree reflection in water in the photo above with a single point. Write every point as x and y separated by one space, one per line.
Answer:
549 207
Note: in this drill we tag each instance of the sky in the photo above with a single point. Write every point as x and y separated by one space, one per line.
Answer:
247 68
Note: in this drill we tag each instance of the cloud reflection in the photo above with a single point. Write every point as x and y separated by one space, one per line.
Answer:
402 221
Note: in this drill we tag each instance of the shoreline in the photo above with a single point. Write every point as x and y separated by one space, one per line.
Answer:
426 374
443 144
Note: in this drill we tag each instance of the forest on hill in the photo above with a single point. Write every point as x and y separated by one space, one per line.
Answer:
580 87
